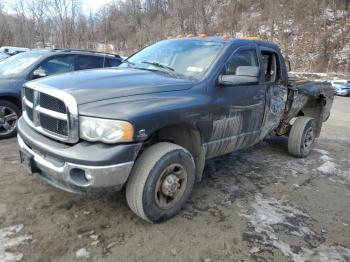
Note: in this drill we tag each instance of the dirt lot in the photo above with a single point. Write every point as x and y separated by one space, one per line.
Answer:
259 204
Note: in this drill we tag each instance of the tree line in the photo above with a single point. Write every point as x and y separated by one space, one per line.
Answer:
313 34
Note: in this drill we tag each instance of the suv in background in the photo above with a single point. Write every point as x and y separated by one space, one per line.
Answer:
7 51
17 70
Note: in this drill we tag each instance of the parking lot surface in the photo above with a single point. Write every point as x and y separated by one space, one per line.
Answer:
259 204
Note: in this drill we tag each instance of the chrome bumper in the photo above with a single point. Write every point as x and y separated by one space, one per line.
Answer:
76 178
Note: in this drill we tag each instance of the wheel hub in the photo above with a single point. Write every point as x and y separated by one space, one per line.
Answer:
309 138
171 185
8 119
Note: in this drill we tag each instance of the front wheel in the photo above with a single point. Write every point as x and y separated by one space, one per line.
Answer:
302 136
161 182
9 114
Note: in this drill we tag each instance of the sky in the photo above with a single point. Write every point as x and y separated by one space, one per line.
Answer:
93 5
87 5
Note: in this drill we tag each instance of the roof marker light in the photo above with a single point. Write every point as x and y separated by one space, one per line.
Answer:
203 35
226 36
180 36
190 35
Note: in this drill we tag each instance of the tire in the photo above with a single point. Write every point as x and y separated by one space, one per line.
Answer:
142 190
302 136
8 125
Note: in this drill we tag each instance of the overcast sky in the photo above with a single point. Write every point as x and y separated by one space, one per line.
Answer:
93 5
87 5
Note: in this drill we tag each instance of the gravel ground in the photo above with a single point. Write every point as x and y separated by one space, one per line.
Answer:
259 204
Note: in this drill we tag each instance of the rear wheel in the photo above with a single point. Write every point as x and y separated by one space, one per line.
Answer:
161 182
302 136
9 114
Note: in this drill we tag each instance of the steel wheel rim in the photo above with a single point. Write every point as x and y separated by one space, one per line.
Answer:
163 200
309 138
8 120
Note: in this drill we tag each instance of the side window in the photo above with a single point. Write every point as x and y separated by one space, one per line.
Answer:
241 58
271 67
89 62
57 65
114 62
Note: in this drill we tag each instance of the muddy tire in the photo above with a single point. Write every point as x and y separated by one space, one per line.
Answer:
302 136
161 182
9 114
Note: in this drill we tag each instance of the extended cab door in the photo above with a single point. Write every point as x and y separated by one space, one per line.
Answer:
275 79
238 109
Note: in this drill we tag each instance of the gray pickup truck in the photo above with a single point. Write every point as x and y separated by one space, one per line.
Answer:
150 124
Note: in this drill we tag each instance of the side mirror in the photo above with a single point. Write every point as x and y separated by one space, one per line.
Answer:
38 73
244 75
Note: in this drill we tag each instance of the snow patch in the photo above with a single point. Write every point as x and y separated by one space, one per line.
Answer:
272 216
328 168
82 253
8 241
321 151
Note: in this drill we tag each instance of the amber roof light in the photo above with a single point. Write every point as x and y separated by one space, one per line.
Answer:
226 36
203 35
180 36
251 38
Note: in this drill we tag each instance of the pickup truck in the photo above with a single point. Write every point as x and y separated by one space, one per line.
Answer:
150 124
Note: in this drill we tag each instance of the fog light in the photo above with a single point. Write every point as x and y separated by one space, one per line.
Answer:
80 177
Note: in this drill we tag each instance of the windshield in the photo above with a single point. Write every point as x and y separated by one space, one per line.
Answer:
16 64
185 59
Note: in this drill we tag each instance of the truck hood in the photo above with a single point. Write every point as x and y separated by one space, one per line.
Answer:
100 84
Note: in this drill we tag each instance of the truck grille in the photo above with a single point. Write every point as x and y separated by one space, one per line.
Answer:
50 112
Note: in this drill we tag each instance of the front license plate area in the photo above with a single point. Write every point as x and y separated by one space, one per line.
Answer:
27 161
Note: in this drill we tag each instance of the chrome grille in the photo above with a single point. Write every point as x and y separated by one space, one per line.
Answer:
52 103
53 124
51 112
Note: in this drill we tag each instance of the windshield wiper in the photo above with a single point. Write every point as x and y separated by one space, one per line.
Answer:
168 69
159 65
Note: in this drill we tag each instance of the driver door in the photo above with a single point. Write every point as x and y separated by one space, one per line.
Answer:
238 109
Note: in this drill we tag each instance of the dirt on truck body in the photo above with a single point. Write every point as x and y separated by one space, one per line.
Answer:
150 124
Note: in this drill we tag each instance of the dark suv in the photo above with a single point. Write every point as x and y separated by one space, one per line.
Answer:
17 70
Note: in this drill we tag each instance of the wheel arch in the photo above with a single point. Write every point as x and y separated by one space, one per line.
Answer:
12 99
314 108
185 135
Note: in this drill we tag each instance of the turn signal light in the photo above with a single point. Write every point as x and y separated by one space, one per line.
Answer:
251 38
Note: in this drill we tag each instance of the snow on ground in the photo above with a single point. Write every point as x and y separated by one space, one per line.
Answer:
272 217
8 241
328 166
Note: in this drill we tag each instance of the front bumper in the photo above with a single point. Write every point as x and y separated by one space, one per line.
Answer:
66 167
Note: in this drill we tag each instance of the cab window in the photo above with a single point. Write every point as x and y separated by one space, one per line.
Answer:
90 62
57 65
241 58
271 67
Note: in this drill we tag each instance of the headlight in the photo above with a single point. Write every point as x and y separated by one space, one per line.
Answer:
105 130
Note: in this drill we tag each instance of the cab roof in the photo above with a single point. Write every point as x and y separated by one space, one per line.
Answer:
229 41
